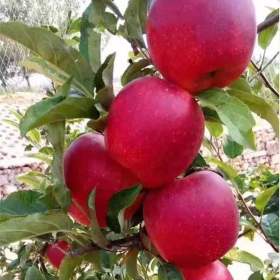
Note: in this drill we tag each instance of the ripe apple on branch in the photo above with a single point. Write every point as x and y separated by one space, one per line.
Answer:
131 193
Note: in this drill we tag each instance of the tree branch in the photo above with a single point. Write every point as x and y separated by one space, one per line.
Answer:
259 226
263 68
115 246
265 80
268 22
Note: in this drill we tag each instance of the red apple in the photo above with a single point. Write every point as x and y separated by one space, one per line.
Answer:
201 44
155 129
192 221
212 271
87 165
56 252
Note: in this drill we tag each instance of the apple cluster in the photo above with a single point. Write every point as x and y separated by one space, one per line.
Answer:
154 132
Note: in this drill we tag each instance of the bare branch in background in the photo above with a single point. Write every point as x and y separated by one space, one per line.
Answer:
265 80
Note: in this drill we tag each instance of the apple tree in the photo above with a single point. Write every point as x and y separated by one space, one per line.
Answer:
139 185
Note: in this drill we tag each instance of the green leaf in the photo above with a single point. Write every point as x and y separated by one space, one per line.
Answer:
256 276
131 263
33 179
17 229
235 115
108 259
42 66
91 39
244 257
56 136
270 224
263 199
231 148
94 259
135 20
110 22
114 8
34 136
118 202
134 71
229 171
267 35
104 82
34 273
210 115
214 128
40 156
273 204
22 203
169 272
241 90
198 162
53 50
57 108
67 267
74 26
96 233
94 54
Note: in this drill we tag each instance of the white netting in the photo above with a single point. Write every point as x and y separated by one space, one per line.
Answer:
36 13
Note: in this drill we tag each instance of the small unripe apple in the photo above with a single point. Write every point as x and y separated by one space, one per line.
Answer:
212 271
154 129
56 252
87 165
201 44
192 221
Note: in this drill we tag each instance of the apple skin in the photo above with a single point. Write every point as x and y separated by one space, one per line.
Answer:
201 44
55 252
192 221
212 271
154 129
87 165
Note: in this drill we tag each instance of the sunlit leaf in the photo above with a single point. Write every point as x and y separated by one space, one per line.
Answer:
263 198
68 266
214 128
32 179
57 108
245 257
241 90
52 49
235 115
17 229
